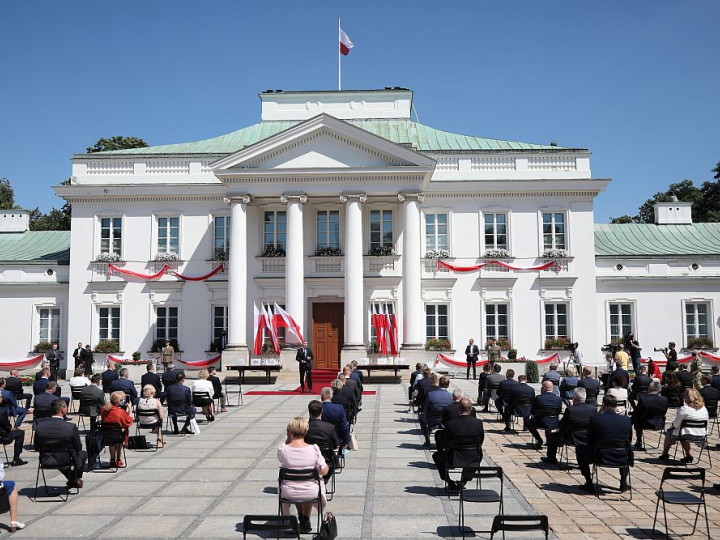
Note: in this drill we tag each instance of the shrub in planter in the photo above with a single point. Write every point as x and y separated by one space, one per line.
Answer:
555 254
43 346
158 344
26 380
107 346
381 251
560 343
699 343
512 354
435 344
221 256
272 251
328 252
137 355
533 372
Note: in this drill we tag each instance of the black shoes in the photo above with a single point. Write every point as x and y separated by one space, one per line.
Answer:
537 445
588 486
687 459
17 462
305 526
664 457
549 460
638 448
623 487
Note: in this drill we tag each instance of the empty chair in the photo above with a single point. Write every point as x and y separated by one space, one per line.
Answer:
685 497
263 524
479 494
519 524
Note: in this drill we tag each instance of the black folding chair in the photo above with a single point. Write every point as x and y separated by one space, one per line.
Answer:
713 415
684 497
479 494
75 393
54 457
515 417
597 462
697 439
492 388
39 415
459 447
300 475
650 428
519 524
112 434
147 413
202 399
262 524
624 404
580 435
328 452
239 392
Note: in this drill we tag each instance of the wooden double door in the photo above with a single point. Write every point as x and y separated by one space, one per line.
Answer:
327 334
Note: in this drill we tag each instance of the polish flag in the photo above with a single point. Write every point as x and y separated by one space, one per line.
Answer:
391 326
267 316
283 319
378 325
345 43
259 328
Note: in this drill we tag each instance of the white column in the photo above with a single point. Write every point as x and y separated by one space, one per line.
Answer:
237 276
411 277
354 285
294 259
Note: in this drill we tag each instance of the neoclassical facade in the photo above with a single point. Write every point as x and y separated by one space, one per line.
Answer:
334 205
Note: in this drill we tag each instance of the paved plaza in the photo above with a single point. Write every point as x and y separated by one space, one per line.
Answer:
202 486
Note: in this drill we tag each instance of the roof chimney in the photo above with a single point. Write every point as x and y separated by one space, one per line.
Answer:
14 221
673 212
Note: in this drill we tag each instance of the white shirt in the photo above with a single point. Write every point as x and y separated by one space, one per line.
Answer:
686 412
203 385
621 394
79 381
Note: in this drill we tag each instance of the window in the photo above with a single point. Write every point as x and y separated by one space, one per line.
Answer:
50 324
436 231
381 228
696 319
328 229
553 230
496 321
221 241
111 235
167 323
169 235
220 322
495 231
436 321
620 320
109 323
275 229
556 321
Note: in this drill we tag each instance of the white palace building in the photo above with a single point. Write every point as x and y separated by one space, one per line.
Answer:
329 206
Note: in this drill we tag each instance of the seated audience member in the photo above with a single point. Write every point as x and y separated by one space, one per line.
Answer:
349 389
673 390
568 385
620 372
92 398
435 404
357 373
78 380
553 376
88 358
125 385
640 385
649 412
43 402
653 369
521 392
546 402
8 435
413 378
482 384
44 371
715 373
335 414
452 412
112 414
153 379
148 402
14 385
710 395
108 377
620 393
40 385
573 425
322 433
421 385
218 392
203 385
56 432
693 409
492 383
591 386
170 376
504 390
179 400
297 454
685 376
339 398
12 499
671 368
611 427
10 403
464 429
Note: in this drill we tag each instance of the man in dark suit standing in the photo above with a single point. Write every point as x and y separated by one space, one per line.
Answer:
88 359
649 413
305 358
108 376
574 422
471 356
518 402
179 399
14 385
606 426
465 429
124 384
335 415
77 355
153 379
503 391
55 433
221 342
640 385
91 399
591 386
545 403
53 356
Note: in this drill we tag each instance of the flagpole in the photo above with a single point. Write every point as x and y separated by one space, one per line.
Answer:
339 57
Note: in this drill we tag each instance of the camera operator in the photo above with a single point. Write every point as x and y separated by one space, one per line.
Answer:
671 356
633 347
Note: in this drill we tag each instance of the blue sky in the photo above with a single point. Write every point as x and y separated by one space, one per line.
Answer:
635 82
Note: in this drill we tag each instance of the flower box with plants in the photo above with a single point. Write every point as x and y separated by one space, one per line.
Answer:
125 363
221 256
26 380
555 254
107 346
108 258
700 342
167 256
272 251
328 252
381 251
435 344
497 253
437 254
557 344
42 347
501 342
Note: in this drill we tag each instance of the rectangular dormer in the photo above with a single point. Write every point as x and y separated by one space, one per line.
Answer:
673 212
345 104
14 221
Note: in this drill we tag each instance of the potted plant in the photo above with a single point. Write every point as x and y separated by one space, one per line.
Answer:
532 371
42 347
435 344
512 355
437 254
328 252
108 258
557 344
137 355
700 342
272 251
107 346
381 251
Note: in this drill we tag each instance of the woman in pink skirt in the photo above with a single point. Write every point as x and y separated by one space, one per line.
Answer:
297 454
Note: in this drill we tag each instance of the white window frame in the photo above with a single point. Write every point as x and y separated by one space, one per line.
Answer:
327 212
275 232
485 319
112 228
226 319
156 326
710 319
449 323
494 212
435 212
382 209
568 323
99 308
227 228
633 325
59 317
168 249
566 220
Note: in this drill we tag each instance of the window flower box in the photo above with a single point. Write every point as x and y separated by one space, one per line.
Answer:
497 253
557 344
108 258
502 342
435 344
699 343
272 251
328 252
168 256
381 251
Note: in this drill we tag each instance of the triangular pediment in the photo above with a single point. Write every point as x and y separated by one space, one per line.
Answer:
323 142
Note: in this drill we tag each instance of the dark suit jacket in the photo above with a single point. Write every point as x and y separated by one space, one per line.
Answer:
5 427
519 392
54 433
53 357
335 415
39 374
422 386
44 401
622 373
711 396
465 429
153 379
217 387
505 388
14 385
40 386
639 382
417 372
320 431
346 403
567 387
350 394
546 401
179 399
650 411
91 399
610 426
355 386
493 380
306 356
685 378
435 403
716 382
357 375
592 389
576 418
108 376
452 412
169 378
125 385
472 354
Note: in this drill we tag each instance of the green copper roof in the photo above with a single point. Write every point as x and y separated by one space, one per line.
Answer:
406 132
35 246
645 240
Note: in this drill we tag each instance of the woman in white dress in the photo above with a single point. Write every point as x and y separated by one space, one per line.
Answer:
203 385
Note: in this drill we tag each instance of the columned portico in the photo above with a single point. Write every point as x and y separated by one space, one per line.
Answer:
294 259
411 277
237 278
354 284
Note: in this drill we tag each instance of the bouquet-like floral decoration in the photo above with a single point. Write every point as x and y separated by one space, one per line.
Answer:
497 253
168 256
221 256
381 251
108 257
328 252
555 254
437 254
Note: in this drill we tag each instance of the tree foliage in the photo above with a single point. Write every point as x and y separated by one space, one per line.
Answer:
117 142
7 195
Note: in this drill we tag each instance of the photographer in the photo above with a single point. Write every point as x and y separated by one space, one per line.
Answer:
671 356
576 356
633 347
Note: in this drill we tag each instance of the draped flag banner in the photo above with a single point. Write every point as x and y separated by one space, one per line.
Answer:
707 357
22 364
463 363
392 332
472 268
379 324
259 331
196 365
282 319
166 269
267 316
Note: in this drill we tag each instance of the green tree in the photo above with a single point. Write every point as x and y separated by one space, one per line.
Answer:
116 143
716 170
622 219
7 195
685 191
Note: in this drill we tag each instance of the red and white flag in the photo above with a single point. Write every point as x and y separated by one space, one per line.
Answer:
345 43
259 331
281 319
392 332
267 316
379 328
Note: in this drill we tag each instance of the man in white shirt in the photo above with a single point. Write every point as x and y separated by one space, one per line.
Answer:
79 379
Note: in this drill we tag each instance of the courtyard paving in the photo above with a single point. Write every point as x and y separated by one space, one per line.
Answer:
202 486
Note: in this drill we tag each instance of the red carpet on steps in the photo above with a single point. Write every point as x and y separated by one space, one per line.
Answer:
320 378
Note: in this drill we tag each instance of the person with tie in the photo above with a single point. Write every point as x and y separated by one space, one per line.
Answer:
471 353
305 357
77 355
222 342
53 356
